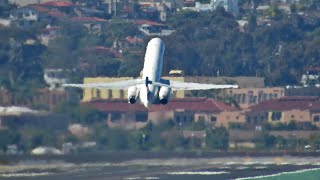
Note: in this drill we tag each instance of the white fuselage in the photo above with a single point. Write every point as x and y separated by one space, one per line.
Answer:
152 69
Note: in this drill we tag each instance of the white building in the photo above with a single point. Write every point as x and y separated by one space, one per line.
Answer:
22 3
56 77
229 5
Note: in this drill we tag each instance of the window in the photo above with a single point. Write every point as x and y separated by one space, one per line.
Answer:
184 119
178 119
115 117
110 94
174 94
98 93
213 119
255 99
141 117
255 119
276 116
121 94
244 98
238 98
316 119
249 120
265 97
270 95
250 98
92 93
201 118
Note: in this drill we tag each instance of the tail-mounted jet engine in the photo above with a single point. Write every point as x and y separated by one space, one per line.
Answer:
164 95
133 93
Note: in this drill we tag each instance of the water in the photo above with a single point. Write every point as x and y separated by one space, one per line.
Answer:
184 168
307 174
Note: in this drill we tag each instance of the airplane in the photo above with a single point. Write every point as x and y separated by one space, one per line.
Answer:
151 88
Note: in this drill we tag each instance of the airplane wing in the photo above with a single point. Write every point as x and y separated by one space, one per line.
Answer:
178 85
111 85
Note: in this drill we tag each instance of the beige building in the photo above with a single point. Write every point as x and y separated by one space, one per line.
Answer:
247 97
286 109
90 94
182 111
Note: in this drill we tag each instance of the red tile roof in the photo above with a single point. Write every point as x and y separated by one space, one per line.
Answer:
143 21
55 13
189 104
313 68
99 50
311 103
58 3
134 39
87 19
126 9
39 8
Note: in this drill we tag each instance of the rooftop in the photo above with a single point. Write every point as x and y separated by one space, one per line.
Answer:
311 103
189 104
87 19
143 21
39 8
58 3
134 39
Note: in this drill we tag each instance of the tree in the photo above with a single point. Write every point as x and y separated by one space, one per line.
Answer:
131 66
8 137
217 138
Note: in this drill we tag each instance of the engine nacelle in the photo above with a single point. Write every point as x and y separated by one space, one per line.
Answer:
133 93
164 94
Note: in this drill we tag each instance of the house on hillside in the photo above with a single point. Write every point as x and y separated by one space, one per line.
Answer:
26 16
66 7
93 24
254 82
311 77
247 97
121 114
151 28
229 5
182 111
48 34
56 77
21 3
301 109
89 12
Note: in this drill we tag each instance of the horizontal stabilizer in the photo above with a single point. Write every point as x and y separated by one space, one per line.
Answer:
177 85
111 85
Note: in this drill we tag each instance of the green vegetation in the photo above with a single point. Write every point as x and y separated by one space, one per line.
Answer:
203 44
